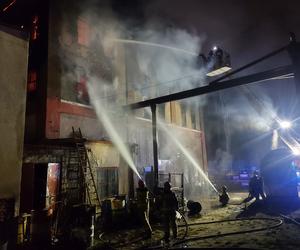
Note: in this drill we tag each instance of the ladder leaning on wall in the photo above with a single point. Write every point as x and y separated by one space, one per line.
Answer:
89 179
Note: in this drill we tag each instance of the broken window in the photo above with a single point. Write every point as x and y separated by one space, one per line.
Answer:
81 90
83 32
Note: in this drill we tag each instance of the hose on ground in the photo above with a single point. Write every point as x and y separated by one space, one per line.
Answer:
277 224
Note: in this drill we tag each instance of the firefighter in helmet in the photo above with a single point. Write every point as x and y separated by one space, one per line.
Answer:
255 188
169 208
224 196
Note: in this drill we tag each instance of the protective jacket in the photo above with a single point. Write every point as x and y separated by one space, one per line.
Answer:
169 202
255 185
142 198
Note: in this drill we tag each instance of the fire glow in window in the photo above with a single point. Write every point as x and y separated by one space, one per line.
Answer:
83 32
34 28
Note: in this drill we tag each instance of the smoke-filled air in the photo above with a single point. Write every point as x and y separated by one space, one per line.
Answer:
149 60
140 63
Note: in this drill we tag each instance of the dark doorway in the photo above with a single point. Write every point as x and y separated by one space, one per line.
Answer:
39 186
27 183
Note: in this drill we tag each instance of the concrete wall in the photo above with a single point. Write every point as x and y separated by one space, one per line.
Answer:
13 79
90 127
105 153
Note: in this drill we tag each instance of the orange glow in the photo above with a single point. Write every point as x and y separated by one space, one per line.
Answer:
32 81
8 6
83 32
34 29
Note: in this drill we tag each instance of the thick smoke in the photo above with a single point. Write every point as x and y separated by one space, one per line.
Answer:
135 71
164 66
167 64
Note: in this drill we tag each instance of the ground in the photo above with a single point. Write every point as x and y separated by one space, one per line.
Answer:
260 218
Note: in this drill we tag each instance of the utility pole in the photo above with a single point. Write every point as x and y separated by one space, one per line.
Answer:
154 138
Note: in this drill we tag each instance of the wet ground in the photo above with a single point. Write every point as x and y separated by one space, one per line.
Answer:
259 226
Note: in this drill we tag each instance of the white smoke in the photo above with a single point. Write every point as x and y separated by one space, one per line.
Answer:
159 60
162 61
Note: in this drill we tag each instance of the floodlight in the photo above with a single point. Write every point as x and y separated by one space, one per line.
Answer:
296 151
285 124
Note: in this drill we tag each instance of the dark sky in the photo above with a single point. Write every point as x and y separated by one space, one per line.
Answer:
246 29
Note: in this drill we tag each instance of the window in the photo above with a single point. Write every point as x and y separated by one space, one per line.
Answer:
161 111
193 117
32 81
82 95
83 32
34 28
107 182
183 115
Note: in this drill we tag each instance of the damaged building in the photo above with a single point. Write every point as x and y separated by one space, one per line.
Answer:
64 138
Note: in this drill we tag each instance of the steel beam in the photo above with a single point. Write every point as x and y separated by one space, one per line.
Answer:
216 86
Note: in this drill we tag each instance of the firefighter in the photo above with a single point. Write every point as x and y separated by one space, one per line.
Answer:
255 188
169 208
224 196
142 195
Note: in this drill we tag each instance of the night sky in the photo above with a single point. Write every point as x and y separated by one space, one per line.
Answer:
246 29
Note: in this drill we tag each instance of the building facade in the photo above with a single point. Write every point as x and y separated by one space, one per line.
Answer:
67 52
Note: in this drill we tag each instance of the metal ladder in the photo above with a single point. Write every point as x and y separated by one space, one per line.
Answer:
89 179
74 181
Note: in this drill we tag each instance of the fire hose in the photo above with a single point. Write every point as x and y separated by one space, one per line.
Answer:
184 239
277 222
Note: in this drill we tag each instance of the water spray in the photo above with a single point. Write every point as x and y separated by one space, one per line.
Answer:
110 128
154 45
188 156
184 151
